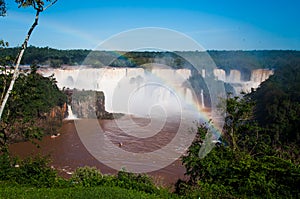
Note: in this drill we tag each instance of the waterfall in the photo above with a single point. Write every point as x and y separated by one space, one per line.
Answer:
234 79
71 116
202 99
260 75
137 90
234 76
219 74
140 90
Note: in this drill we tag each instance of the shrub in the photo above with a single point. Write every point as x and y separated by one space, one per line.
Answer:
36 172
229 172
7 169
31 171
135 181
87 176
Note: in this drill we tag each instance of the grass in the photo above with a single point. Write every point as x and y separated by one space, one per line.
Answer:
16 191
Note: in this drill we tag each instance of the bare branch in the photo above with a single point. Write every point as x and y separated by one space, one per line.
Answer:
51 4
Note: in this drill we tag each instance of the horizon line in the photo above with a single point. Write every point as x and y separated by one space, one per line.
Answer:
124 50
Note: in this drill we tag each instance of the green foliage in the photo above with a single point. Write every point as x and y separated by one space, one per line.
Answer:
36 174
7 169
227 172
55 63
105 192
245 61
87 176
278 105
135 181
90 176
31 171
240 131
234 169
35 95
202 190
30 101
2 8
36 4
2 42
45 55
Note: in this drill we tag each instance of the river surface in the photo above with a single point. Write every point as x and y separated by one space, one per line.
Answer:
68 150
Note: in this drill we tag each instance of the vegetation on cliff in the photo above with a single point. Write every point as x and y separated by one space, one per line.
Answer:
244 164
278 105
258 152
27 113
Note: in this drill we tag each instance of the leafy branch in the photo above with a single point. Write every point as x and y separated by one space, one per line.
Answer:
39 6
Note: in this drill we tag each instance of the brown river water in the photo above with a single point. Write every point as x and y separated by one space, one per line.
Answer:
67 151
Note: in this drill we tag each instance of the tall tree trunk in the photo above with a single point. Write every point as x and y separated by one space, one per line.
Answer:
18 61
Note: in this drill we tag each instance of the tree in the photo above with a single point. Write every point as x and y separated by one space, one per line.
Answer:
2 8
26 115
2 14
240 130
39 6
232 169
278 104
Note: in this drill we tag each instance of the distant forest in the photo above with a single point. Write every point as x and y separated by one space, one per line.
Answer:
244 61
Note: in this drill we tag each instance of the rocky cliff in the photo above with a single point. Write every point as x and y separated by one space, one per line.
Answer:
88 104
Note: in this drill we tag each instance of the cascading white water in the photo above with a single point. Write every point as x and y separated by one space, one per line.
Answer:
131 90
141 91
220 74
234 78
202 99
71 116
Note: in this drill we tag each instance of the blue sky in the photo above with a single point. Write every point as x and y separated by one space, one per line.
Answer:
214 24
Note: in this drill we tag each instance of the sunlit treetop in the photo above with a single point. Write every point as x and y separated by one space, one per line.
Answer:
36 4
2 8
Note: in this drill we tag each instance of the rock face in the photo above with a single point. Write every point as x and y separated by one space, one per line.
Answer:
54 119
58 112
88 104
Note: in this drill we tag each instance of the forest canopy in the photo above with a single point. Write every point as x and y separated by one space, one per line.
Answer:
245 61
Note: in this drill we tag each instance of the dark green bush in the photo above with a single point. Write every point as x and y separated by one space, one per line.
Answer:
31 171
87 176
135 181
36 172
7 167
242 165
202 190
91 177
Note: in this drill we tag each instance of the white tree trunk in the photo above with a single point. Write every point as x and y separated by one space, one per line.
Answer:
18 61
